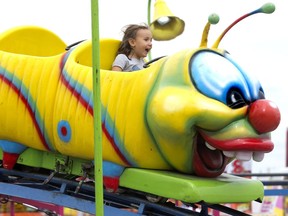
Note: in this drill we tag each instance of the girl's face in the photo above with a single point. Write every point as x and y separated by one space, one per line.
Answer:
142 44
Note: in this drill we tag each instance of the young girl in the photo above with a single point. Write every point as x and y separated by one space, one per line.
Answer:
135 45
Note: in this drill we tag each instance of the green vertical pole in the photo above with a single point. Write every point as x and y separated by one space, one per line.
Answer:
149 23
149 12
97 109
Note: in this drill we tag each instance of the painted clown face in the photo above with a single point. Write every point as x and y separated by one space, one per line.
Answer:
213 113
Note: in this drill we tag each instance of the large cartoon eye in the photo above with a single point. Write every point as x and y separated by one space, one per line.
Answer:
219 77
235 99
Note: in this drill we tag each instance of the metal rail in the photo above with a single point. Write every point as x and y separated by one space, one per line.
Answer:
62 191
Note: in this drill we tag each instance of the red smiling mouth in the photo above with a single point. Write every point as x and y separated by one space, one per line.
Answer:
212 162
207 162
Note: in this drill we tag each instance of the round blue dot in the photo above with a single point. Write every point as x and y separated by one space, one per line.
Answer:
64 131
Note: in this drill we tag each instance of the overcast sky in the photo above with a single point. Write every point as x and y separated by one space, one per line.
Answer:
259 43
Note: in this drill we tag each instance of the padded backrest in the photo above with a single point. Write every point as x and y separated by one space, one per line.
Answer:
31 40
108 52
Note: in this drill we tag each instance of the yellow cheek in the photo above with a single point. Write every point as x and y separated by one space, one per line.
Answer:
173 108
179 109
169 118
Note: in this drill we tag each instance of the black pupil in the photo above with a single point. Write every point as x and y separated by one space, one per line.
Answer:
235 99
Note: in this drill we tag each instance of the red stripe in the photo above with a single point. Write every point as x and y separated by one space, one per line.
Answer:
77 95
24 100
90 110
111 140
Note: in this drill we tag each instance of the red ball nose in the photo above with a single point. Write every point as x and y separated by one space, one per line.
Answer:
264 116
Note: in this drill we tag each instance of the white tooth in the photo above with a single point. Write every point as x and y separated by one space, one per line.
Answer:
230 154
258 156
209 146
244 156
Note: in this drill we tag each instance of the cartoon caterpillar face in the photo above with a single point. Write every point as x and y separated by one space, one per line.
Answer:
214 113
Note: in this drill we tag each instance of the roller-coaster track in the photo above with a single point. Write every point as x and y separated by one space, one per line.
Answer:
62 191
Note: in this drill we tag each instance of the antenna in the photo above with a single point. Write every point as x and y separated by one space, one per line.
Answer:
267 8
212 19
